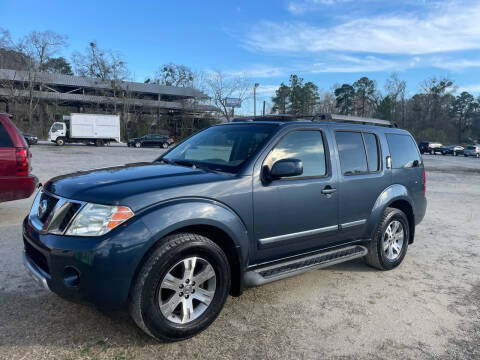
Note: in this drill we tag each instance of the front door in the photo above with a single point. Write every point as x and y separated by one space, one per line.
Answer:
296 214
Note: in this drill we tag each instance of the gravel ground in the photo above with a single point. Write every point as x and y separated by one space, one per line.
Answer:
428 308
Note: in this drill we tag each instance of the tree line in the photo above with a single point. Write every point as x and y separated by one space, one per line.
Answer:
39 51
433 113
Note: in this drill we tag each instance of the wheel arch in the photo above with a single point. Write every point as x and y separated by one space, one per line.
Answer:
395 196
205 218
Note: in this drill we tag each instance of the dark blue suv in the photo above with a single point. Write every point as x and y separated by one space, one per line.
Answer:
235 205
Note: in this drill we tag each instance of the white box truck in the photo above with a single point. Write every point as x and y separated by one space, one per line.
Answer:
85 128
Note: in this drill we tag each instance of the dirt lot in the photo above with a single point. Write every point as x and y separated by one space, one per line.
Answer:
428 308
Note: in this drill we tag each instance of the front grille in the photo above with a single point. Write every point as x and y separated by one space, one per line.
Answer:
69 214
52 214
50 205
37 257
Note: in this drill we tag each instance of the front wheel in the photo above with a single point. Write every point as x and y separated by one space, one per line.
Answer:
137 144
389 244
165 145
181 288
60 141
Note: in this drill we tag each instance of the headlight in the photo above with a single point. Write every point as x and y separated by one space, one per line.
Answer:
96 220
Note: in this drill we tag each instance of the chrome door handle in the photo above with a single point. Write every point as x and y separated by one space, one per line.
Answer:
328 190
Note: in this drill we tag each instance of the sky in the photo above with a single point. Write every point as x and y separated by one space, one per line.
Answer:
327 42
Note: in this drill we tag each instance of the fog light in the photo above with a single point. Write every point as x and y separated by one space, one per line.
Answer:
71 277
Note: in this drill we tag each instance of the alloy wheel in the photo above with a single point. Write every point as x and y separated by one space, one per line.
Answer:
187 290
393 240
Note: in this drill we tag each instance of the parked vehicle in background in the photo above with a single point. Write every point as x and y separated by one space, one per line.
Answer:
235 205
472 151
452 150
16 181
428 147
151 140
95 129
30 138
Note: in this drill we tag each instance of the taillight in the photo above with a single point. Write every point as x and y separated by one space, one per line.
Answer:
21 155
424 183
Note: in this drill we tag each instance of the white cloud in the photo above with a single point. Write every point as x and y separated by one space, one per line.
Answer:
455 64
448 27
351 64
300 7
258 71
267 90
472 88
329 64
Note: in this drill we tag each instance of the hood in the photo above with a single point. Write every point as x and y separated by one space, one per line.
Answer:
117 184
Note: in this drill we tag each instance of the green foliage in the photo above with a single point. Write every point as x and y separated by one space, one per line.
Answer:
364 95
280 100
345 97
175 75
58 66
432 134
385 108
297 98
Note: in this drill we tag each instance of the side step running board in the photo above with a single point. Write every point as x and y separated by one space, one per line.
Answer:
285 269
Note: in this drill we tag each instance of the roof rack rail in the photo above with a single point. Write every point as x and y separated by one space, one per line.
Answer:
272 117
353 119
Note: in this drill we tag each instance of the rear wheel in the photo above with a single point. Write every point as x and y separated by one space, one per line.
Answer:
60 141
99 142
181 288
389 244
432 152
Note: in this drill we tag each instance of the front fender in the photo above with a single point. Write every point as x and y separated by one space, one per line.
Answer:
173 215
389 195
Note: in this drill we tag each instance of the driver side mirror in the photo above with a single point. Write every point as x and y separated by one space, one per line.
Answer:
284 168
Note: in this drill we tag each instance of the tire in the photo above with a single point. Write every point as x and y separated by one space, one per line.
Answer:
60 141
432 152
455 153
165 145
99 142
148 290
378 257
138 144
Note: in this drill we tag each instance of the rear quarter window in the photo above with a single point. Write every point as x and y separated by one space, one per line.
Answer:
403 151
5 140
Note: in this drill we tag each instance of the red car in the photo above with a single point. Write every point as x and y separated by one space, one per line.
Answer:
16 181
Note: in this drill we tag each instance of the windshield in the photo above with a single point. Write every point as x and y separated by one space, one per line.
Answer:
223 148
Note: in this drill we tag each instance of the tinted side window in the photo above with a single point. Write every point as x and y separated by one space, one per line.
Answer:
351 151
403 151
371 145
5 140
303 145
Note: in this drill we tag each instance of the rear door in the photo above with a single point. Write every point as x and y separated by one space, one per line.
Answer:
407 165
296 214
362 178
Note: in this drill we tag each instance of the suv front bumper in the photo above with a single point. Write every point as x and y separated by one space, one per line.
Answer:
97 270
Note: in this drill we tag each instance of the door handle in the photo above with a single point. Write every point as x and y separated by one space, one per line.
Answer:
328 190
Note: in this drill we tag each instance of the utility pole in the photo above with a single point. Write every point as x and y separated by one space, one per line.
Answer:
255 98
263 113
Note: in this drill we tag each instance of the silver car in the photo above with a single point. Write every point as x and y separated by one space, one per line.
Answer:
472 151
